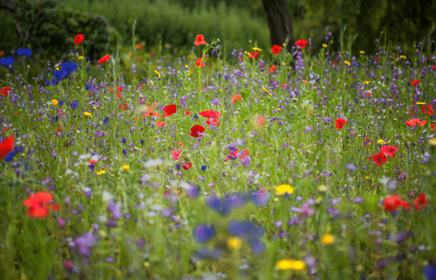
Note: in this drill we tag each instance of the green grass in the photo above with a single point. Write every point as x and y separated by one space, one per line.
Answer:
147 231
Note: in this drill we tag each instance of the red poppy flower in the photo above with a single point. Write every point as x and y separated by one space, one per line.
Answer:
340 123
393 202
420 202
276 49
232 155
199 63
389 151
92 162
199 40
176 154
414 122
301 43
187 113
57 131
78 39
379 158
253 55
40 204
415 82
236 98
214 122
160 123
187 165
434 67
427 109
433 126
104 59
197 131
210 114
1 53
124 107
260 121
273 68
6 146
5 91
169 110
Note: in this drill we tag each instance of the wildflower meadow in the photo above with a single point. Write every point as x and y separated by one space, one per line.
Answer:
212 163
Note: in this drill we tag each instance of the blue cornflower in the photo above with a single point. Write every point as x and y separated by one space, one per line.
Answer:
67 68
7 61
74 105
25 51
10 156
203 233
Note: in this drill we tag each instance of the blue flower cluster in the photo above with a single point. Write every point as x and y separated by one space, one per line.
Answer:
65 70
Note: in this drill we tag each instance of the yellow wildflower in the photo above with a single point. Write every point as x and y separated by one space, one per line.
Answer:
403 57
366 82
87 114
126 167
186 66
347 62
362 52
54 102
81 57
383 142
264 88
101 172
287 264
324 45
420 103
282 189
157 73
234 243
327 239
256 49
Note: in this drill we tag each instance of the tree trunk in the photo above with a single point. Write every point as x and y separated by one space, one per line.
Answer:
279 22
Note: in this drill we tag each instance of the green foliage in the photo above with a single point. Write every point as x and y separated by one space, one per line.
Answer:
42 25
171 22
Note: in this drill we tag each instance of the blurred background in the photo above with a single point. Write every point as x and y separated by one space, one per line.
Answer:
48 26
